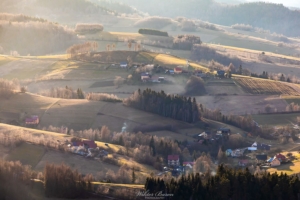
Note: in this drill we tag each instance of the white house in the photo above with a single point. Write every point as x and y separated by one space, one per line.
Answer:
123 64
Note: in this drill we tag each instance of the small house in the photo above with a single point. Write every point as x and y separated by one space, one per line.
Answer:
89 144
223 131
275 162
173 160
205 134
228 152
123 64
263 147
177 70
161 78
221 73
188 164
32 120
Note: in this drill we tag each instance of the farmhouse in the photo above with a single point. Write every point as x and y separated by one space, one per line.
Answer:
173 160
123 64
275 162
32 120
177 70
85 143
205 134
280 157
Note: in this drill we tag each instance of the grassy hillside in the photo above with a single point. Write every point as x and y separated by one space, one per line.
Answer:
34 36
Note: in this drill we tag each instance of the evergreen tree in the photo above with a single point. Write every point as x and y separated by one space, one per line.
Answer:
133 177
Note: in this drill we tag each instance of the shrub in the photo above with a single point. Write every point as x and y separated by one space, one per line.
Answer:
194 86
186 42
153 32
88 28
243 27
103 97
23 89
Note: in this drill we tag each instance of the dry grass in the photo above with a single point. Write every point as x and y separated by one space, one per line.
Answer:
276 119
264 86
291 99
255 51
289 168
27 154
120 185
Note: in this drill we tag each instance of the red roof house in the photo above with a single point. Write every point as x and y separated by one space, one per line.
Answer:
34 119
177 70
90 144
280 157
173 160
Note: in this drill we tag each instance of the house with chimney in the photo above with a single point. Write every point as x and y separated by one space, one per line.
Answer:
173 160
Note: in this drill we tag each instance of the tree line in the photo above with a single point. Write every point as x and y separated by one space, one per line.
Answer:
172 106
82 48
228 184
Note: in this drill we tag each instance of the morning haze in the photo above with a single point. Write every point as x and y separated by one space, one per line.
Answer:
132 99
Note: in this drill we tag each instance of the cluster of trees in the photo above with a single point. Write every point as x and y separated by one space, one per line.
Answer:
228 184
277 77
8 87
14 179
204 52
63 182
153 32
195 86
186 42
82 48
88 28
243 122
292 107
264 75
243 27
64 93
173 106
33 36
103 97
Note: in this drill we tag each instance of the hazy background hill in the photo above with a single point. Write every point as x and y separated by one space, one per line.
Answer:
67 12
34 36
273 17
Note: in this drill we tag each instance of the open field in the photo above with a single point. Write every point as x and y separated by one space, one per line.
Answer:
256 52
289 168
23 68
83 165
264 86
6 59
27 154
276 119
241 104
223 86
292 99
114 185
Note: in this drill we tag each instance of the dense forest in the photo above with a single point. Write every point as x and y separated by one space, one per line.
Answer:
229 184
172 106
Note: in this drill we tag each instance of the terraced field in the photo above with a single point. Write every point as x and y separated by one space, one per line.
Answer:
261 86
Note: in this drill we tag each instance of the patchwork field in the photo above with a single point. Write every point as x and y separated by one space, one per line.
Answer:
241 104
27 154
276 119
223 86
24 68
264 86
